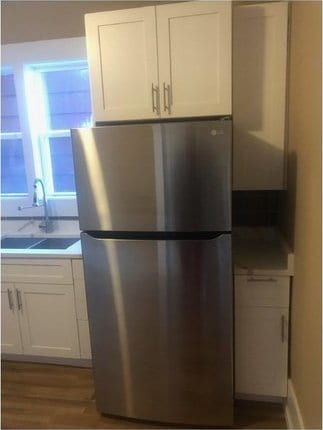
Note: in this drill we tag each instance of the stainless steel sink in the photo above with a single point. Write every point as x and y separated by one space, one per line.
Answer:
19 242
37 242
55 243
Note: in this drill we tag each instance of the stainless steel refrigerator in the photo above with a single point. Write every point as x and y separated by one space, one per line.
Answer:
154 204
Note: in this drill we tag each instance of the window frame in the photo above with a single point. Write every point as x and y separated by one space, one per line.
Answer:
18 57
35 84
12 135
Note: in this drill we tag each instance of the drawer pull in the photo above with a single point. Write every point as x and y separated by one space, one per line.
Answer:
261 280
18 295
10 299
167 90
282 322
155 91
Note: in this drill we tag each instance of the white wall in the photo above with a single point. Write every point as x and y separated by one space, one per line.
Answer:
26 21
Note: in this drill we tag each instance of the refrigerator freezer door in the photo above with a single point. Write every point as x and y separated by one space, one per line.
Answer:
154 177
161 328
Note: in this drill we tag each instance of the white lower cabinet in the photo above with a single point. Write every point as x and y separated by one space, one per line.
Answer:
47 320
38 319
42 300
261 336
10 331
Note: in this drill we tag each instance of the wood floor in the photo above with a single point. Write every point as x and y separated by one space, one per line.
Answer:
48 396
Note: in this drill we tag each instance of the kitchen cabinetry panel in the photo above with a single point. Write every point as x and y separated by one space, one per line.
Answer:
79 289
81 309
194 53
259 95
10 332
122 53
84 335
48 320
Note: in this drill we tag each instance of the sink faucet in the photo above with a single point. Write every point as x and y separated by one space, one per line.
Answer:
46 224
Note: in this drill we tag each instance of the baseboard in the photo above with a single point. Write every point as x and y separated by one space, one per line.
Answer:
77 362
260 398
293 414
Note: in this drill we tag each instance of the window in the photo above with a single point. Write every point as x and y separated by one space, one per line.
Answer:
45 93
13 174
58 99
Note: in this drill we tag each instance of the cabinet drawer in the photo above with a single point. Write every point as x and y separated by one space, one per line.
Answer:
251 291
37 271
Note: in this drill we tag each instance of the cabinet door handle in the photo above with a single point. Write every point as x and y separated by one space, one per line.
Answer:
10 300
167 96
155 100
282 328
252 279
18 295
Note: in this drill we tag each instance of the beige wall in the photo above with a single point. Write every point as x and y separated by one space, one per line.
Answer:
26 21
303 214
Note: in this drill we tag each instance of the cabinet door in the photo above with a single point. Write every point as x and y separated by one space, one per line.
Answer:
122 54
261 346
259 87
194 55
10 333
48 320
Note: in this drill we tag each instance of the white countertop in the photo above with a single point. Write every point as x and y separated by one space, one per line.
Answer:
256 251
73 251
261 251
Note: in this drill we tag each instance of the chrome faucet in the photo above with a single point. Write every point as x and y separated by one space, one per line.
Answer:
46 224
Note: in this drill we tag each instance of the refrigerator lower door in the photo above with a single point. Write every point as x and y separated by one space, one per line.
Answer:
160 315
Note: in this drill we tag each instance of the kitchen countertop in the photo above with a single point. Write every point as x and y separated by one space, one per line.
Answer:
73 251
261 251
256 251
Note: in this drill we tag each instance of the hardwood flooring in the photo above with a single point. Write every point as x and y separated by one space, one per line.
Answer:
43 396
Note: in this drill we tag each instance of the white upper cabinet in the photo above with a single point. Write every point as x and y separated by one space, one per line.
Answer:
168 60
194 53
259 95
122 55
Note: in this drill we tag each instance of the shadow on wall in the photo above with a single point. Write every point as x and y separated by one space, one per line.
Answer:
256 162
286 219
256 208
258 118
248 69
